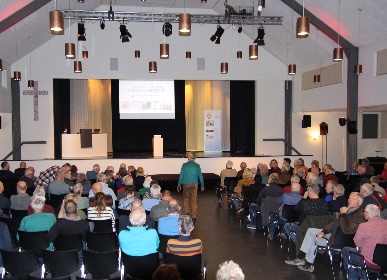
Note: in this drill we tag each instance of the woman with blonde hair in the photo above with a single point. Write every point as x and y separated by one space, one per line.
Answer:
101 211
248 179
62 212
264 171
82 179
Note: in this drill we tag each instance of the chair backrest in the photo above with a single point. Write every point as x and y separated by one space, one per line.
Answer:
189 267
20 263
140 267
19 213
102 225
13 225
65 242
101 241
100 264
230 182
33 240
57 197
121 212
380 256
163 242
31 277
289 214
60 263
56 204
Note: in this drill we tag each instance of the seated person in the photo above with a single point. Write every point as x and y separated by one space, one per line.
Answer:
329 175
58 186
347 222
92 175
97 187
27 177
293 179
83 202
247 180
138 240
124 203
375 182
101 211
160 210
148 203
102 179
367 236
82 179
310 204
124 221
243 166
39 191
5 243
62 212
329 190
291 198
229 271
70 224
274 167
138 180
126 181
228 172
166 272
168 225
339 200
5 203
22 199
366 191
185 245
38 221
5 172
284 176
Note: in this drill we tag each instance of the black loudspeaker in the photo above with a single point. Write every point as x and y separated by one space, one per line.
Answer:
306 121
352 127
323 128
86 138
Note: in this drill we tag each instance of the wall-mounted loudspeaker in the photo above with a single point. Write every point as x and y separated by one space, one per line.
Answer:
323 128
306 121
352 127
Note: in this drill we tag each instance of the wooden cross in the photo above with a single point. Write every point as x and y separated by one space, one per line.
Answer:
35 92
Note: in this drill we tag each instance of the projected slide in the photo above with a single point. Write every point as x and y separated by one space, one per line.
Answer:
147 99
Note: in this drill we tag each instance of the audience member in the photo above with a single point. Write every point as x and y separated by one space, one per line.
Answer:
74 172
138 240
314 164
97 187
138 180
329 190
101 211
185 245
124 203
300 172
383 174
86 184
19 172
228 172
5 203
329 175
264 174
5 241
274 167
92 175
375 182
284 176
168 225
229 271
353 170
366 191
293 179
5 173
367 236
39 192
83 202
148 203
247 180
166 272
32 169
339 200
62 212
102 179
70 223
124 221
48 176
132 170
160 210
347 222
58 186
22 199
288 161
38 221
27 177
370 171
243 166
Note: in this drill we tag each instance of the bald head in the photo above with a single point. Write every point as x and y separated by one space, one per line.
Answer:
173 206
97 187
137 204
21 187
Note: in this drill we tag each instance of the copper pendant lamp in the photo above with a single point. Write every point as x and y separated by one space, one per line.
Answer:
239 54
253 52
164 51
188 55
184 24
152 67
56 22
31 83
136 54
77 66
292 69
17 75
70 50
224 68
316 79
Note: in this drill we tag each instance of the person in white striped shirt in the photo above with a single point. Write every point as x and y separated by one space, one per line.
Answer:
100 211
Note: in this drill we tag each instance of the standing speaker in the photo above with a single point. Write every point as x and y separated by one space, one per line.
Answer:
352 127
306 121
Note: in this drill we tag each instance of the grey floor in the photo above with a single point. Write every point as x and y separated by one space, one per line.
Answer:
225 238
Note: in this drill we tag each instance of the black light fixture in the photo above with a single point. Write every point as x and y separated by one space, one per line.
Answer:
125 35
260 38
110 12
240 29
342 121
167 29
216 37
102 23
1 65
81 31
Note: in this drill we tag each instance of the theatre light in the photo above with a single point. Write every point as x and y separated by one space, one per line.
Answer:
17 75
81 31
125 35
303 24
253 52
167 29
260 38
102 23
218 34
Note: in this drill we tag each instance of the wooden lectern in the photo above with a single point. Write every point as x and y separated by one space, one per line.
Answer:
157 143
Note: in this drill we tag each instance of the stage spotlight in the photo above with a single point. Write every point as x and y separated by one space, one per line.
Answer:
110 12
240 29
216 37
167 29
125 35
260 38
342 121
102 24
81 32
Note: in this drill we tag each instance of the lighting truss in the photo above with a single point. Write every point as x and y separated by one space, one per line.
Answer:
174 18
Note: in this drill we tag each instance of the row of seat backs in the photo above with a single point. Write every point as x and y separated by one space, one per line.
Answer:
101 265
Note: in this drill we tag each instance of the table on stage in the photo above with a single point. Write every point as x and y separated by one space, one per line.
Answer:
71 146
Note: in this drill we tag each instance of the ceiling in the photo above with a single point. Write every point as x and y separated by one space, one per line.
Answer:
24 24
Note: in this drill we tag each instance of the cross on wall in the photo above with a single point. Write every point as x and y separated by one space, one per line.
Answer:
35 92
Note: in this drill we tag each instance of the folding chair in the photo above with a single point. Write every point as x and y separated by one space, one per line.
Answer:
100 264
190 267
20 263
140 267
60 263
33 241
101 241
65 242
102 225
